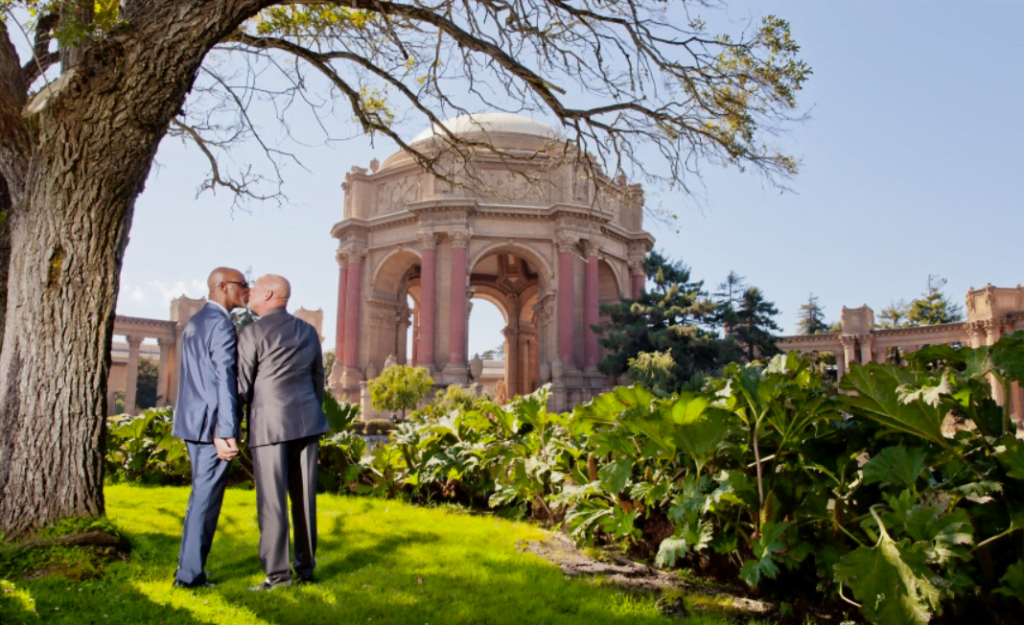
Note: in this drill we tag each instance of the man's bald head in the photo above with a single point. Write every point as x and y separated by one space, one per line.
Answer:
227 287
270 291
223 274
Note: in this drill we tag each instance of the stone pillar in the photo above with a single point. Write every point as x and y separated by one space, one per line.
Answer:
111 402
637 278
401 341
840 364
132 376
339 335
849 350
566 301
456 372
866 344
352 304
591 309
428 298
162 386
512 364
415 335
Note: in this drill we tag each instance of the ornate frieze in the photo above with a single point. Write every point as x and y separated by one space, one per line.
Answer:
394 195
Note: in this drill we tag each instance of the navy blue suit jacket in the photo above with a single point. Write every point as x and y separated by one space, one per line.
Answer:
207 405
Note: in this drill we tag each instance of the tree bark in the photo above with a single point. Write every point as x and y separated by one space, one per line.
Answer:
92 146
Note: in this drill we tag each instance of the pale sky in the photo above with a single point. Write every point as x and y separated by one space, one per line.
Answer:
910 167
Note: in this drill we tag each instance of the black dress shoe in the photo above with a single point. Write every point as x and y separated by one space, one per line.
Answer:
305 579
269 585
200 584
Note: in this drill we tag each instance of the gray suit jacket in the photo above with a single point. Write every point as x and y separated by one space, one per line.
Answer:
207 405
281 379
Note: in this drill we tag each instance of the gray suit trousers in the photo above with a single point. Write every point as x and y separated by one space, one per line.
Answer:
209 477
286 471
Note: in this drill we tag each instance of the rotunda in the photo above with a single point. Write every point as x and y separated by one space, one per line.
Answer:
516 221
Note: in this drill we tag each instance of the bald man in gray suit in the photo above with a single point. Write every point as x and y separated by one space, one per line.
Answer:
281 380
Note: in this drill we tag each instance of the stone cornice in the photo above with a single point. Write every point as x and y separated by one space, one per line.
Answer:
142 321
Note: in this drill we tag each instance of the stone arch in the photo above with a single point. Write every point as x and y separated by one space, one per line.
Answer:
545 272
608 279
392 269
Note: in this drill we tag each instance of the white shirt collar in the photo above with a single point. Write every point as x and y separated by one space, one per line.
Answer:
225 310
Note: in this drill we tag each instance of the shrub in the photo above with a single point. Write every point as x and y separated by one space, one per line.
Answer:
400 388
378 427
142 449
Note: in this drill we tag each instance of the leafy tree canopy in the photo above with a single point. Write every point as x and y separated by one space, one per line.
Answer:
400 387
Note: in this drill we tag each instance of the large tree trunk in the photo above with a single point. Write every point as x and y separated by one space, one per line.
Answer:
94 143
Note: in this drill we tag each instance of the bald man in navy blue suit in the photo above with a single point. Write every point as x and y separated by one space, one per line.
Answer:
206 416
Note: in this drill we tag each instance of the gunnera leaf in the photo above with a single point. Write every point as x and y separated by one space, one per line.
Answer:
1013 581
897 466
891 581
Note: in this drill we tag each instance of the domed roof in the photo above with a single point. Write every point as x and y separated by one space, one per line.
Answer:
491 123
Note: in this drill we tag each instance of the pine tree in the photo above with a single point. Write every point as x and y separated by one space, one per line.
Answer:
894 315
812 317
755 320
728 298
672 315
934 307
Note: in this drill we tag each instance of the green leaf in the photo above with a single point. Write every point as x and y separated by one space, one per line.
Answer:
764 547
615 475
1008 356
946 532
691 536
1010 454
1013 581
891 581
876 391
701 437
897 466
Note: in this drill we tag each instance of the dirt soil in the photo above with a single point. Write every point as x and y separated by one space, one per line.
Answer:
635 576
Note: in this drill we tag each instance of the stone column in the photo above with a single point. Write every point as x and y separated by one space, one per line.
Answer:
866 344
401 341
566 301
849 350
840 364
512 355
111 402
351 375
415 335
455 371
339 335
637 278
428 298
591 310
132 377
162 386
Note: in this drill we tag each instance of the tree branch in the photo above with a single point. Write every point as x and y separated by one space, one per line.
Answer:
42 58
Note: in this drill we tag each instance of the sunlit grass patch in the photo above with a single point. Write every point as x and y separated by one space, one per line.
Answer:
378 561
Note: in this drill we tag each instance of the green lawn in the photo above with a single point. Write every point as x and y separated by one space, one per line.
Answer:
378 562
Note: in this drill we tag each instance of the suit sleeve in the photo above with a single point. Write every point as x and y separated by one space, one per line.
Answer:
247 366
318 371
223 351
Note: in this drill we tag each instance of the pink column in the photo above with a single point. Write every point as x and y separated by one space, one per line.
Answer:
339 335
428 297
590 308
352 311
566 289
457 320
636 278
638 285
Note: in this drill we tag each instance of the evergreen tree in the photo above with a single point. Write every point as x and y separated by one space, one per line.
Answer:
673 315
755 320
812 317
894 316
934 307
728 298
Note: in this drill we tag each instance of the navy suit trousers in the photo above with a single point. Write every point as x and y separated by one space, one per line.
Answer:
209 478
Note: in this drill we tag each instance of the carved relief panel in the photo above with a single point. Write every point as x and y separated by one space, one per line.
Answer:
394 195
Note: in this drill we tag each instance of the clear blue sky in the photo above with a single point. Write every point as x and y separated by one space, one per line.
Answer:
911 166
